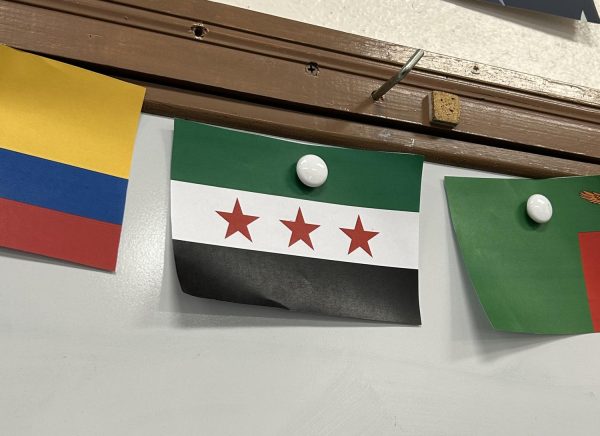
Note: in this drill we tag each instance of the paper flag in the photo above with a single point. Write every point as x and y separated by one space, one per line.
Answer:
533 278
65 150
245 228
575 9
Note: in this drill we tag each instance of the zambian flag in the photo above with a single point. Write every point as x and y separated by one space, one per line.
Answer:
245 229
533 278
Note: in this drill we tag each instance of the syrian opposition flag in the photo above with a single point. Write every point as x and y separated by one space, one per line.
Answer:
245 229
531 278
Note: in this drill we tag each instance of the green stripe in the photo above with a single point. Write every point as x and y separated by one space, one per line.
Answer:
231 159
528 276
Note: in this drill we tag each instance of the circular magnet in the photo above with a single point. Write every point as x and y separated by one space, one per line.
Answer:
312 170
539 208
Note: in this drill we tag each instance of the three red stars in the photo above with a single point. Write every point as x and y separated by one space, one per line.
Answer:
359 237
300 230
237 221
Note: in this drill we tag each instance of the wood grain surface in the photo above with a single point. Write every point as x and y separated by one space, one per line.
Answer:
256 59
265 119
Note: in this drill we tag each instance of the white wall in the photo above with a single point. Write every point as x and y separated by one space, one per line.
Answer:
91 353
85 352
525 41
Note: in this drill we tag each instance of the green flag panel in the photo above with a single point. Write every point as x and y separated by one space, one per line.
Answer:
228 158
528 276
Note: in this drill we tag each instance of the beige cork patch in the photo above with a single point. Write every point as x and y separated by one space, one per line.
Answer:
444 108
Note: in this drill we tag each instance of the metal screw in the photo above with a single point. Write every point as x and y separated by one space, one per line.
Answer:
396 78
312 68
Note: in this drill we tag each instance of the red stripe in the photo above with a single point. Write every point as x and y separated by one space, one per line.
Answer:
60 235
589 244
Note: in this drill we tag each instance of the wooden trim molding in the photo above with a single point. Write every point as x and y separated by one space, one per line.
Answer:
265 119
215 63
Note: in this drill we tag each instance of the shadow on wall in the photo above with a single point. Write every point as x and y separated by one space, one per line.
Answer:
32 257
471 331
562 27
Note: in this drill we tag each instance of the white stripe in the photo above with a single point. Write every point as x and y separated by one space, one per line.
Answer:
194 218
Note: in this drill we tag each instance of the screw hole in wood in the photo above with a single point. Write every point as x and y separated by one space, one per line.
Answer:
199 30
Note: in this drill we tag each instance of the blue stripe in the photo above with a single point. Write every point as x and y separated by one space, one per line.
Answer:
61 187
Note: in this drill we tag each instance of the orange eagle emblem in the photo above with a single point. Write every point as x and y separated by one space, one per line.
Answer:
592 197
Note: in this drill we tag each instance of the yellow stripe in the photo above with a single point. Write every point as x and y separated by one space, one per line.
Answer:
66 114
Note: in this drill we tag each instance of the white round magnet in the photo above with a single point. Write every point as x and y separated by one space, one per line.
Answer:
539 208
312 170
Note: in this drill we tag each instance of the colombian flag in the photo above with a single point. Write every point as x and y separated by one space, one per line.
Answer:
66 141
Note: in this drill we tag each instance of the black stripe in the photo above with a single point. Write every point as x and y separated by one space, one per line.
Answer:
298 283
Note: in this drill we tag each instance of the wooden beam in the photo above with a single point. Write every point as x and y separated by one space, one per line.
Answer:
254 58
173 102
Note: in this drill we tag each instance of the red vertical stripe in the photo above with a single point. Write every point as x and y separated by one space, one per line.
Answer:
589 244
60 235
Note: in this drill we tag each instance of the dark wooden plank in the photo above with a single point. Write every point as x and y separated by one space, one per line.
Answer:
226 112
368 48
244 61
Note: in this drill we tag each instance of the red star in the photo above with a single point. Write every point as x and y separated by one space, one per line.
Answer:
300 230
238 222
359 237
